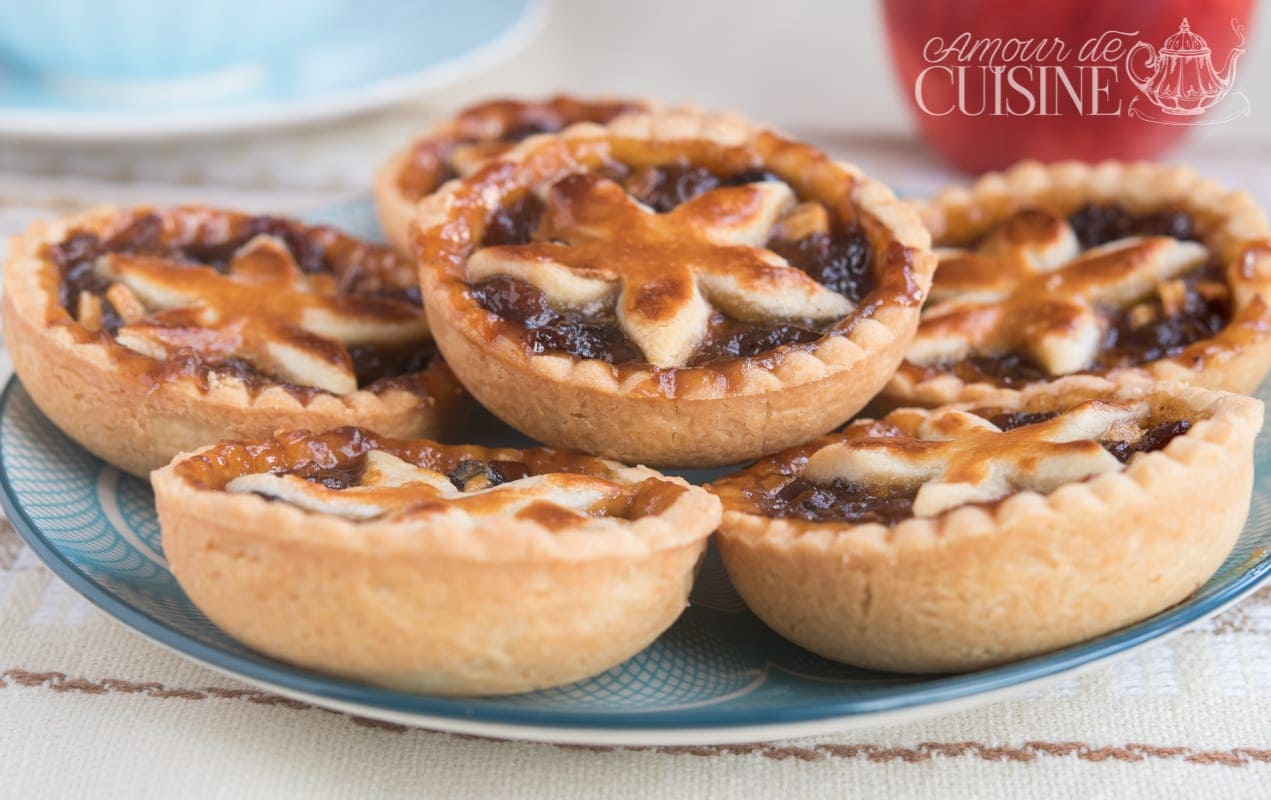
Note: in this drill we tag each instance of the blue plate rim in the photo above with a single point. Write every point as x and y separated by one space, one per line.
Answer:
939 691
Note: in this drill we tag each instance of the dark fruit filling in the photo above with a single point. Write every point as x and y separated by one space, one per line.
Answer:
664 188
841 501
515 222
334 468
75 257
728 338
337 476
1167 335
467 476
596 335
1010 369
144 237
841 260
1200 316
1097 224
472 476
1010 420
583 335
857 503
1153 438
374 363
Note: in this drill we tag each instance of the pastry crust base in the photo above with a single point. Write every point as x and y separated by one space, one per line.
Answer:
979 586
449 607
546 401
394 209
687 417
98 392
1236 360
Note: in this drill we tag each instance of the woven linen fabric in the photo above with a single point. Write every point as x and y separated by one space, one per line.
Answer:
89 708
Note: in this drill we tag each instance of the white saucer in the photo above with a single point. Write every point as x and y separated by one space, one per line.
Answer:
390 52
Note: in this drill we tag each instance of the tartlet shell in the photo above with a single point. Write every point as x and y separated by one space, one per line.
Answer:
453 606
1236 360
774 401
99 394
979 586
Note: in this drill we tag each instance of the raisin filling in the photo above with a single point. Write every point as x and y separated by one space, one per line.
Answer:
473 476
840 501
728 338
841 260
1201 314
336 476
514 222
1096 224
595 335
857 503
1203 309
467 476
1011 370
1155 437
1010 420
663 188
75 257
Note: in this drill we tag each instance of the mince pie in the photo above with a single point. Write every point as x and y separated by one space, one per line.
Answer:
966 536
1126 271
673 288
431 568
459 145
145 332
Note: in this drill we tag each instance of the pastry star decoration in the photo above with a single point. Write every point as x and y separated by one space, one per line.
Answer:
262 309
1028 288
666 270
954 458
391 487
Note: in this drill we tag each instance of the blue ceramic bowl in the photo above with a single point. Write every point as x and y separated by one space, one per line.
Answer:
140 40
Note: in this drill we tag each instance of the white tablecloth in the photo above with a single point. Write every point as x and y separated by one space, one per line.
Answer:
88 708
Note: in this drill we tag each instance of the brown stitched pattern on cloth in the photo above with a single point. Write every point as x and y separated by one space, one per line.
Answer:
61 682
925 751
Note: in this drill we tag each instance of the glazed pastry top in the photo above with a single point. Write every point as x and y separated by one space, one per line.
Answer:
215 294
359 476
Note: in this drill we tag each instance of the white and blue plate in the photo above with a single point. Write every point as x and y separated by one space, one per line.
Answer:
376 52
718 675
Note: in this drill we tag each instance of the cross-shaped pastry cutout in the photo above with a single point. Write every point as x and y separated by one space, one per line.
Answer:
393 488
1028 288
263 309
955 457
596 242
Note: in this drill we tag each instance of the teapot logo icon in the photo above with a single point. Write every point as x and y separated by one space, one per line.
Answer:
1181 80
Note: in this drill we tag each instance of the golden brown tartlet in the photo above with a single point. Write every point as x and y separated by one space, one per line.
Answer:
431 568
457 146
1126 271
962 537
674 289
144 332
